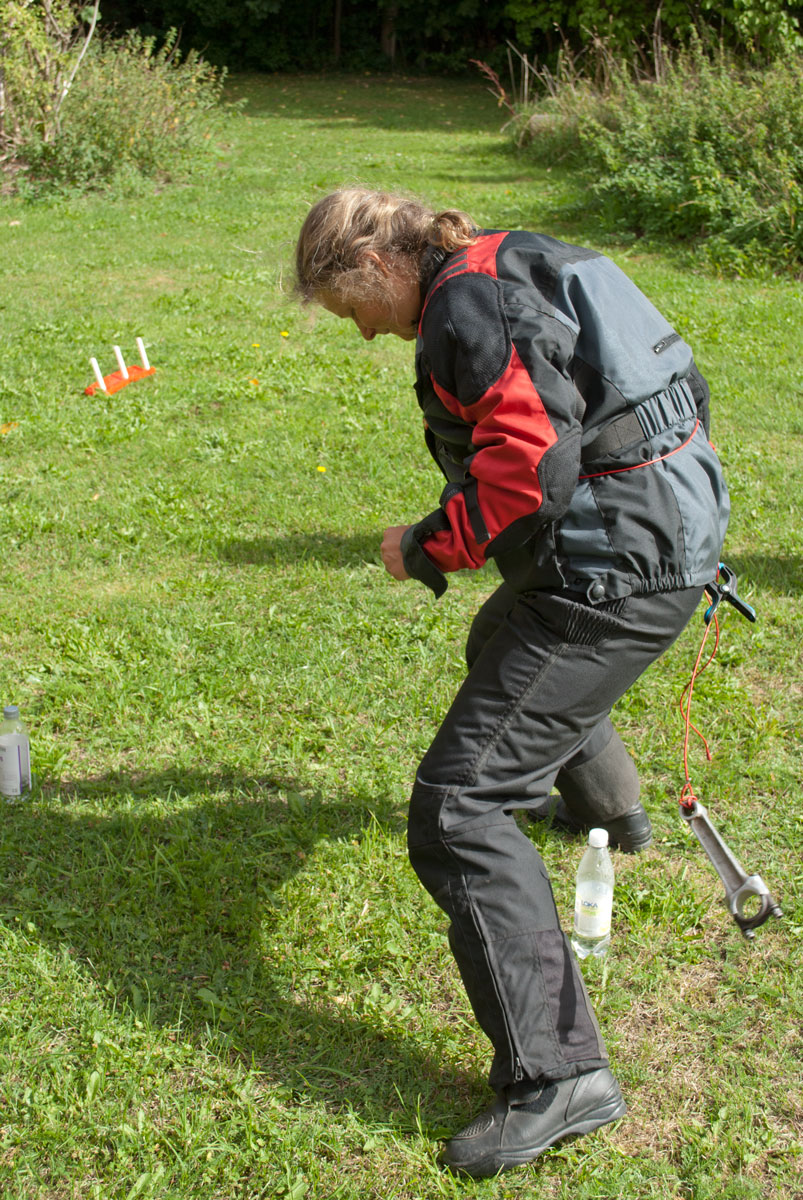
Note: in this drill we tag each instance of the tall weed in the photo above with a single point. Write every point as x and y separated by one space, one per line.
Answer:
135 111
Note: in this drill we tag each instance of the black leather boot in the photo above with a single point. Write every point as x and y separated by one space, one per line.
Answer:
603 791
528 1118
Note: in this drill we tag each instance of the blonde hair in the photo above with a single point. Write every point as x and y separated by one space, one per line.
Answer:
344 230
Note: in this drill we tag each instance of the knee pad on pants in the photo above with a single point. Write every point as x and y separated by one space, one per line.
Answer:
428 855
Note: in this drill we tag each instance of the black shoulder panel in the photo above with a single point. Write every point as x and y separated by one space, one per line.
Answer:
466 335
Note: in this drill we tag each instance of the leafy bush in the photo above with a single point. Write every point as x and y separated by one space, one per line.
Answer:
765 26
707 147
712 150
42 46
134 110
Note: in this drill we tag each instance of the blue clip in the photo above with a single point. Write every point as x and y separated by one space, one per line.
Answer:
724 588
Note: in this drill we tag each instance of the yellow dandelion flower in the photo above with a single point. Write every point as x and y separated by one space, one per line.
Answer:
254 381
284 333
255 345
321 469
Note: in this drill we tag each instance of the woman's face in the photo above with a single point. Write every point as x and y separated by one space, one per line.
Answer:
396 312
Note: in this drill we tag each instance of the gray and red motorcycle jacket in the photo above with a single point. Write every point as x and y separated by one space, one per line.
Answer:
570 422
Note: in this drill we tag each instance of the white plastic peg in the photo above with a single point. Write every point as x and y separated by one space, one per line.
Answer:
142 355
118 354
101 381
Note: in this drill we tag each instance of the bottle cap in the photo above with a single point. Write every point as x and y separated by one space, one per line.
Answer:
11 712
598 838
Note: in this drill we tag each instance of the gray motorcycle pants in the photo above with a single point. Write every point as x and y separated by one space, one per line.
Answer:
545 670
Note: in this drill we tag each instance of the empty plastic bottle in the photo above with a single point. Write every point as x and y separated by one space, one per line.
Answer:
593 900
15 755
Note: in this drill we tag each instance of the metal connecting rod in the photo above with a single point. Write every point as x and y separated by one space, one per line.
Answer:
739 886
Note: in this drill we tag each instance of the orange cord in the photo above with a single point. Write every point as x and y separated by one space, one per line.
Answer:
687 797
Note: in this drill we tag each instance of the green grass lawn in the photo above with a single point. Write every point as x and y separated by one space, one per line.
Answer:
220 976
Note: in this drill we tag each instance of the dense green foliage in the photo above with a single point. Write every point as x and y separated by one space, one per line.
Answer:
712 148
761 24
271 35
711 151
42 47
219 977
87 112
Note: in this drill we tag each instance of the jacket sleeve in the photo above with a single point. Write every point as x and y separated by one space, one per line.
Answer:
508 380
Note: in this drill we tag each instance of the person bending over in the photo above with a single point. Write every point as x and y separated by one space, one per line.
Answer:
571 425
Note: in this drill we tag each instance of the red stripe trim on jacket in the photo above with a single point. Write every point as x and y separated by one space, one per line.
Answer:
511 433
482 253
479 257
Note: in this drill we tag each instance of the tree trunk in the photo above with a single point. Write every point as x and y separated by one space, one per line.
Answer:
336 31
387 36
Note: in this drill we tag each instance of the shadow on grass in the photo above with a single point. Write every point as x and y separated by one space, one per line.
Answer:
172 914
391 102
781 573
292 548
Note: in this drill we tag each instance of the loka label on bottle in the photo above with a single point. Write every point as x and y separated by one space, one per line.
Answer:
15 764
593 906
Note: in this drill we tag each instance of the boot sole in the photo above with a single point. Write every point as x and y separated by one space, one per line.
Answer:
486 1168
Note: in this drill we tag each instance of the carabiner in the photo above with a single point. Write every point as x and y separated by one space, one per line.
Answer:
724 587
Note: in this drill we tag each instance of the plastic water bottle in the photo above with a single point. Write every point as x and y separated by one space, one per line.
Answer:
15 755
593 900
